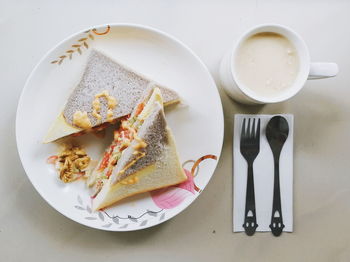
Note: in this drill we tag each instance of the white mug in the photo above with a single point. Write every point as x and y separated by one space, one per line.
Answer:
307 70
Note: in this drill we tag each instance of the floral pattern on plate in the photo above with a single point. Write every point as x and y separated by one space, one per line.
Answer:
163 198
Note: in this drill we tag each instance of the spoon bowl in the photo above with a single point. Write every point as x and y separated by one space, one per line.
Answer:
277 131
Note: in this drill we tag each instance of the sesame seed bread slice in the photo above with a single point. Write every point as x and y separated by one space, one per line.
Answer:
104 74
160 167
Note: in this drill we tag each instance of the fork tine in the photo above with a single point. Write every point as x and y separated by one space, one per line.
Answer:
258 132
252 134
248 129
243 132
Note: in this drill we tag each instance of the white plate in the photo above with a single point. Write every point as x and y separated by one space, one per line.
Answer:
198 126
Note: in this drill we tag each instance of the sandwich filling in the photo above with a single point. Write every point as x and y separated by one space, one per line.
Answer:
126 136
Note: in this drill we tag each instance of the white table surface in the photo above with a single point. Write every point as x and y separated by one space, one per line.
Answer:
30 230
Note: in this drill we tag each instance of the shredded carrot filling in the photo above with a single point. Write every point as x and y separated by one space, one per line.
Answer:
139 109
109 173
52 159
105 160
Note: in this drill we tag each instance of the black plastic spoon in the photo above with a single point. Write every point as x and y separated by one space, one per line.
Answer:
277 130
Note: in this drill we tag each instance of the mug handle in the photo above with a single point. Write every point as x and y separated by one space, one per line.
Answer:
323 70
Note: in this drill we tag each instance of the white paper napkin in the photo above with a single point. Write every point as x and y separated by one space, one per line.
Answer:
263 177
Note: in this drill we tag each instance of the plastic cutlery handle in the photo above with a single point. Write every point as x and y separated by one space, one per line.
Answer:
250 224
276 217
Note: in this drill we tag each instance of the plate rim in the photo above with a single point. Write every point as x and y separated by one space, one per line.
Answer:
135 26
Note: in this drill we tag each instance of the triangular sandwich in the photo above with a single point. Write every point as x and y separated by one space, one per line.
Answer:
142 157
106 92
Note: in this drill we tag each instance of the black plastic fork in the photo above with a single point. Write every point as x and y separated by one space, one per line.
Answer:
250 147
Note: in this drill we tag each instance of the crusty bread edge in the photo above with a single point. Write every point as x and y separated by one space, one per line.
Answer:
110 203
180 172
59 129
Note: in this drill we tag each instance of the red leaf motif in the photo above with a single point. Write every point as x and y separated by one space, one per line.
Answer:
169 197
189 183
173 196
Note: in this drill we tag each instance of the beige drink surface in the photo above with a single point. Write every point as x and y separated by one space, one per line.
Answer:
267 63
